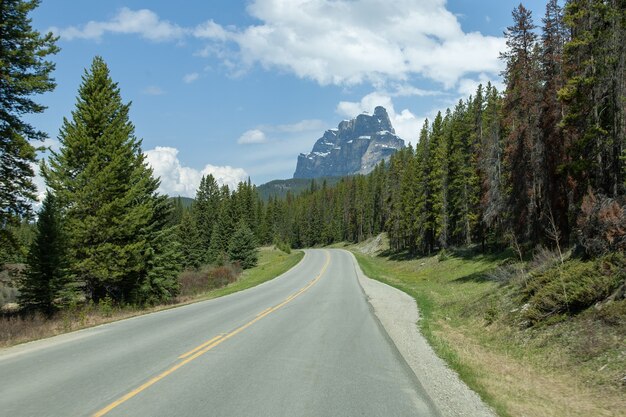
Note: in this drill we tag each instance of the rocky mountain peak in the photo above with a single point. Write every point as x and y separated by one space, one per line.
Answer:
355 147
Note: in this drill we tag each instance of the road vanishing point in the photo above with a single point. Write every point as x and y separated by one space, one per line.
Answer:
306 343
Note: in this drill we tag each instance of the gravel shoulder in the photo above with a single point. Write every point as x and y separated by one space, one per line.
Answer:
398 313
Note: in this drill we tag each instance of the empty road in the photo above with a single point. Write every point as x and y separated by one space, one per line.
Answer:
303 344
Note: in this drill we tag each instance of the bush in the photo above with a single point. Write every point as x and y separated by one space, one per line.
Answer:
572 287
602 224
193 282
282 246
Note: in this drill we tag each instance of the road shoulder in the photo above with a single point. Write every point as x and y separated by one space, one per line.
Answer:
398 313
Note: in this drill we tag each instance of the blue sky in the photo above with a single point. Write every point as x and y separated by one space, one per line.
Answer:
239 88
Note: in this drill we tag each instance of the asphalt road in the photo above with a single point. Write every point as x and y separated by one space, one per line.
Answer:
303 344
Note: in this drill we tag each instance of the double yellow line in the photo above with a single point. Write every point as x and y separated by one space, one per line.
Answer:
210 344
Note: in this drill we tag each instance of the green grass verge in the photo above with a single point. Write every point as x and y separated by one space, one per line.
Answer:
571 368
427 280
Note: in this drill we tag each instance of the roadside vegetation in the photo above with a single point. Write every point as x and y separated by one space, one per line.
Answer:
533 338
200 285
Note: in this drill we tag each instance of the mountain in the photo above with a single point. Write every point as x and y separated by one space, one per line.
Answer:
280 188
355 147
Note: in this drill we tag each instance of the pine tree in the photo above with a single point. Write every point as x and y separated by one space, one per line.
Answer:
439 177
242 247
24 72
492 164
205 211
190 241
46 279
223 229
593 95
424 214
523 151
115 219
550 132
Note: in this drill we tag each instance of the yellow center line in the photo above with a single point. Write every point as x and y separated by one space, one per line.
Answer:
210 344
194 350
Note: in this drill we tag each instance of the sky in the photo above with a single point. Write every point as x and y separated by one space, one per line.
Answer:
238 88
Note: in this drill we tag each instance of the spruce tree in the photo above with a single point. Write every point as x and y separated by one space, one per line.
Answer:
115 220
46 278
190 241
205 211
524 154
242 247
223 229
593 95
24 72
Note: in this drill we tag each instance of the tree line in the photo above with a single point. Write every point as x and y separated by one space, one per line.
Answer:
542 162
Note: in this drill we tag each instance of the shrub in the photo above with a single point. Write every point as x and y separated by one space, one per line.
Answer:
194 282
602 224
282 246
572 287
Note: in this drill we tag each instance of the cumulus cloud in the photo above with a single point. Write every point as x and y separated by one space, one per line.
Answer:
341 42
144 23
177 179
406 124
251 137
189 78
346 42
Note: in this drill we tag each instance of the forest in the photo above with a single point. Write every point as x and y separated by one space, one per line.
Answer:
541 163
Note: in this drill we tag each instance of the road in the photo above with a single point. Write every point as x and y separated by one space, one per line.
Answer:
303 344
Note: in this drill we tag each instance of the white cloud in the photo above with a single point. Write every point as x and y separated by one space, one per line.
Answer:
254 136
211 30
153 90
189 78
177 179
406 124
468 86
341 42
144 23
347 42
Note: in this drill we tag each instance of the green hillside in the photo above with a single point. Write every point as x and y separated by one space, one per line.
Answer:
280 188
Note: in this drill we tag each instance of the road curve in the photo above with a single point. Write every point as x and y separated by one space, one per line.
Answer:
303 344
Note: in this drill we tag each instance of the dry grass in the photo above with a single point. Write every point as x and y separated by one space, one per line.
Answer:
527 391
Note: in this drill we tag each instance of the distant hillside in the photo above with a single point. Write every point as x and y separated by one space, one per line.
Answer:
279 188
185 200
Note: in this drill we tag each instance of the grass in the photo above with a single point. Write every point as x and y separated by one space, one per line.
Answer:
16 330
571 368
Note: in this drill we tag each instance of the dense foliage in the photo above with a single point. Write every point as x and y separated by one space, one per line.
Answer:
24 72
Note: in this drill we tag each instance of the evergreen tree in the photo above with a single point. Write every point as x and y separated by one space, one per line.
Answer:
205 211
46 278
115 219
242 247
24 72
439 177
523 151
491 163
223 229
550 132
593 95
190 242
